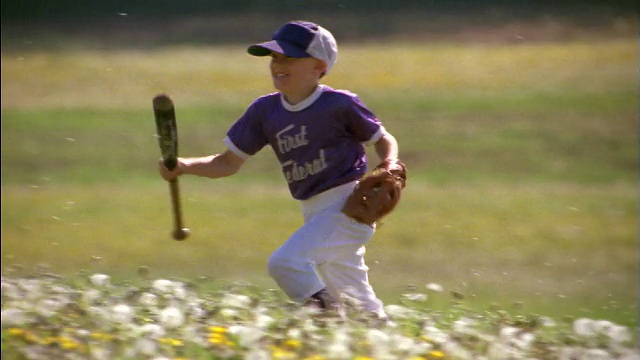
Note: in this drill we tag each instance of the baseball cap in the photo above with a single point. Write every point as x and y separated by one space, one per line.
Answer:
300 39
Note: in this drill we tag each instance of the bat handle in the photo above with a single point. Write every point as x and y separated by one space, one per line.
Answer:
179 232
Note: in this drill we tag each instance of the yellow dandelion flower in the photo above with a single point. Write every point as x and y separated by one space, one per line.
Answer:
216 338
418 358
315 357
16 331
49 340
436 354
230 343
292 343
102 336
282 354
218 329
30 337
363 358
68 344
172 342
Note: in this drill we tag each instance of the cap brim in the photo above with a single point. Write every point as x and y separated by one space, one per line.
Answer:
266 48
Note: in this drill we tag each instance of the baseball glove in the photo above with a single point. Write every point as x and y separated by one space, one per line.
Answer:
376 195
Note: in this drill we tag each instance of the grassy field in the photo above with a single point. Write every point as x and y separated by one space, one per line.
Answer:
522 160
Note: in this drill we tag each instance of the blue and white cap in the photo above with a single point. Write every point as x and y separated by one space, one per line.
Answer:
300 39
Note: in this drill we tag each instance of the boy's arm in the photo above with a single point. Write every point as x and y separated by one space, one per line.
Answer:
212 166
387 148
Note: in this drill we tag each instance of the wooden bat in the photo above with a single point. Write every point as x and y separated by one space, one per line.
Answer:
165 116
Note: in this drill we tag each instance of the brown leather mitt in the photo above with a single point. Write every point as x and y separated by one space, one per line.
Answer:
376 195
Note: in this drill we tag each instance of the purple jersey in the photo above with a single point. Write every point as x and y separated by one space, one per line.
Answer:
318 142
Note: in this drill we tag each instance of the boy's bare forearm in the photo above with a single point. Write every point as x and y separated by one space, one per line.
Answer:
387 147
212 166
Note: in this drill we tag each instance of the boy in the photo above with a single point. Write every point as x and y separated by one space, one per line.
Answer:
317 134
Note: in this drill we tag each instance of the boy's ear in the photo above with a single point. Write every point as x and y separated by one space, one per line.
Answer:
321 66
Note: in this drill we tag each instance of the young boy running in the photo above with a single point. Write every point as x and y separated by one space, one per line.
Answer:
318 135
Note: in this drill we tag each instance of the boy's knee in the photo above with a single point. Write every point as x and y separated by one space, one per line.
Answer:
276 266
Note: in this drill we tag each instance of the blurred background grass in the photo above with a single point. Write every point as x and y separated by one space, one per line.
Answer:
520 134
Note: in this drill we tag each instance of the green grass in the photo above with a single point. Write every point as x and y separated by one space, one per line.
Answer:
522 169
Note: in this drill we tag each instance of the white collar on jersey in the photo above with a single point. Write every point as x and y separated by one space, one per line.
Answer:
304 103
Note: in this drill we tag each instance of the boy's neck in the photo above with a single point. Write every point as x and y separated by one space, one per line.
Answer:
298 97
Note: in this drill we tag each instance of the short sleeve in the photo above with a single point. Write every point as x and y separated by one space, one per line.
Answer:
361 122
246 136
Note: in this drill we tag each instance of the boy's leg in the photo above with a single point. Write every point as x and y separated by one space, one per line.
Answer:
330 244
347 273
293 265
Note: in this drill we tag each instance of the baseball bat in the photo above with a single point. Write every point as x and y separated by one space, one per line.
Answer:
167 130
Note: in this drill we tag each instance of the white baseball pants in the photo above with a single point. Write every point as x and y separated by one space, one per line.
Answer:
326 252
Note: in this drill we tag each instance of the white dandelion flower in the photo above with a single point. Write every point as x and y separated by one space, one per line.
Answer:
422 348
619 334
376 336
100 280
509 333
294 333
435 335
464 326
584 327
31 288
152 331
14 317
148 299
499 350
309 326
339 351
90 296
98 313
402 343
628 354
122 313
229 313
398 311
596 354
100 353
236 300
146 347
264 321
197 312
171 317
379 340
602 326
49 307
547 321
179 291
247 336
163 286
416 297
10 290
570 353
83 333
257 354
524 341
456 351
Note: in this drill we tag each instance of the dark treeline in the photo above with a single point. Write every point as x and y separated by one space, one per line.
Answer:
43 11
152 23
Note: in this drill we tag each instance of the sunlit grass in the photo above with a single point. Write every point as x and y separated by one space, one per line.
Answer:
128 78
509 243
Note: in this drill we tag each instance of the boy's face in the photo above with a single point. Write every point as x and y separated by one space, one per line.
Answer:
293 75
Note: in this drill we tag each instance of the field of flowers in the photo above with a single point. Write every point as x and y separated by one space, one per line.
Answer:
92 317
